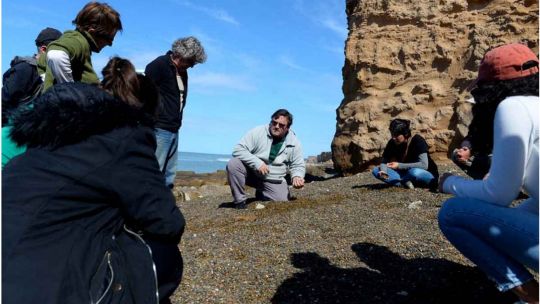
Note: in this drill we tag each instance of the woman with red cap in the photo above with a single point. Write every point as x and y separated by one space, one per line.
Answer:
479 221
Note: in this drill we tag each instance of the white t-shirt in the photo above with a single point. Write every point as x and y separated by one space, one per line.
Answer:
515 157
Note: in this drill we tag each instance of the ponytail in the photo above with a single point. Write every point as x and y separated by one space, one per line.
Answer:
122 81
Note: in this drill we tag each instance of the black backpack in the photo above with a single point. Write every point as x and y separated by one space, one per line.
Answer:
21 84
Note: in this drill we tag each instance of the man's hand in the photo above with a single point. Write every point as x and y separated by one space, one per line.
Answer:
442 179
392 165
298 182
263 169
383 175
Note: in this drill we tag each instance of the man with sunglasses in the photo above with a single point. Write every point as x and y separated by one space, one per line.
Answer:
169 73
263 157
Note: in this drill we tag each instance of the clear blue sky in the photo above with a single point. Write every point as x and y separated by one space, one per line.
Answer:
262 55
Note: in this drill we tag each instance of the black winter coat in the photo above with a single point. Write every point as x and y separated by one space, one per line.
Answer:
88 173
163 72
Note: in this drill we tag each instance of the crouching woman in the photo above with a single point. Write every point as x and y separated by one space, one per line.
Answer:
481 221
86 215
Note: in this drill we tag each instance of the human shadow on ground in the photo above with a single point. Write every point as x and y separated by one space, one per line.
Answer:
387 278
377 186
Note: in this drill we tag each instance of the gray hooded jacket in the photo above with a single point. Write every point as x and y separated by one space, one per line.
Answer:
254 150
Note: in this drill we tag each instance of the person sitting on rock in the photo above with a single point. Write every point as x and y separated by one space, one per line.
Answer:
481 221
262 158
406 160
475 164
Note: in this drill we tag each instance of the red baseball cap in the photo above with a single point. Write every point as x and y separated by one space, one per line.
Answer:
506 62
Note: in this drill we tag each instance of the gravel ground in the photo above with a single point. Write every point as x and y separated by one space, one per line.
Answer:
341 240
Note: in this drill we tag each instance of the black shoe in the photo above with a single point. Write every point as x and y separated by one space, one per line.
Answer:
241 205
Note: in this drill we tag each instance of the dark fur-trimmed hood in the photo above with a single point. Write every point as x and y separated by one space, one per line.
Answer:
71 112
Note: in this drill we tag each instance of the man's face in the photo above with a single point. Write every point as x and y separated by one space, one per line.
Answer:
102 39
279 126
463 153
398 138
182 64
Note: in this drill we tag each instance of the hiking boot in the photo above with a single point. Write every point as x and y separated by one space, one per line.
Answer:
408 185
241 205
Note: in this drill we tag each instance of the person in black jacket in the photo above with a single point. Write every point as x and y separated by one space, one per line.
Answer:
475 164
86 215
406 160
169 73
23 80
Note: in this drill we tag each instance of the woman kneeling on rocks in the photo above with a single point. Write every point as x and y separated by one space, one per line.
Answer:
500 239
406 159
86 215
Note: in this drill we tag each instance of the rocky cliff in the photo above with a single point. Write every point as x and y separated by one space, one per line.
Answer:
414 60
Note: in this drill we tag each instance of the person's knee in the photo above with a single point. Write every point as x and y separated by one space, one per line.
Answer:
375 172
416 172
282 196
234 164
447 211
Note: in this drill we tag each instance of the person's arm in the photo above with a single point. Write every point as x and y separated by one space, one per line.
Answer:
244 149
146 202
153 71
511 132
60 65
422 163
297 166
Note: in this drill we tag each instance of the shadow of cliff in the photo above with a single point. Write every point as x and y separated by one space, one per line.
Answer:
388 278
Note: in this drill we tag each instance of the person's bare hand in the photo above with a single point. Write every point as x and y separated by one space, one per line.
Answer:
298 182
442 179
392 165
263 169
383 175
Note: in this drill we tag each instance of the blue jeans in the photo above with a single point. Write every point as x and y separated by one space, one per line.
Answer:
419 177
167 154
500 240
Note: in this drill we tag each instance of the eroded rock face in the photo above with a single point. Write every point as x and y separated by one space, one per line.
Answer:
414 60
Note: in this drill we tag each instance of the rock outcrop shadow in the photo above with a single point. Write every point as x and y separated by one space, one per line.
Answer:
387 278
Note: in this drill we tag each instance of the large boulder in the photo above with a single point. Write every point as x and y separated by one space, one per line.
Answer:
414 60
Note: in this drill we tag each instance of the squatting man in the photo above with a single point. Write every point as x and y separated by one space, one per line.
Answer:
263 157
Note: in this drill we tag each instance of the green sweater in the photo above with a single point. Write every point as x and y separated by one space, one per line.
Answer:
42 64
78 45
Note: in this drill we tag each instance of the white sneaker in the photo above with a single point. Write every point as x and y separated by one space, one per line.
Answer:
408 185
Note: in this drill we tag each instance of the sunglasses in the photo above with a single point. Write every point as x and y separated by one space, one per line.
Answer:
275 123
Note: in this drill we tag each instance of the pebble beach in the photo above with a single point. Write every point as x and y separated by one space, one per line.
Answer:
340 240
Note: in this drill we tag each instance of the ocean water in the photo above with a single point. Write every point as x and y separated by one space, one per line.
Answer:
201 162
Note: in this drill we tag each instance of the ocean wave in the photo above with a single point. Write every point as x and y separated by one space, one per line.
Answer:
223 159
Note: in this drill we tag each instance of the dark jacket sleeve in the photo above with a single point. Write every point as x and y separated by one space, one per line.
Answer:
148 203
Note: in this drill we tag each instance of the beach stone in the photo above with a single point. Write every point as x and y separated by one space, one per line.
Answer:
259 206
415 205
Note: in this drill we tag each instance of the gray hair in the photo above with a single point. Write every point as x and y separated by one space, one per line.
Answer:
189 48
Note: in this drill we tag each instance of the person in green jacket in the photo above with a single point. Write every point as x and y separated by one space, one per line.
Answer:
69 58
